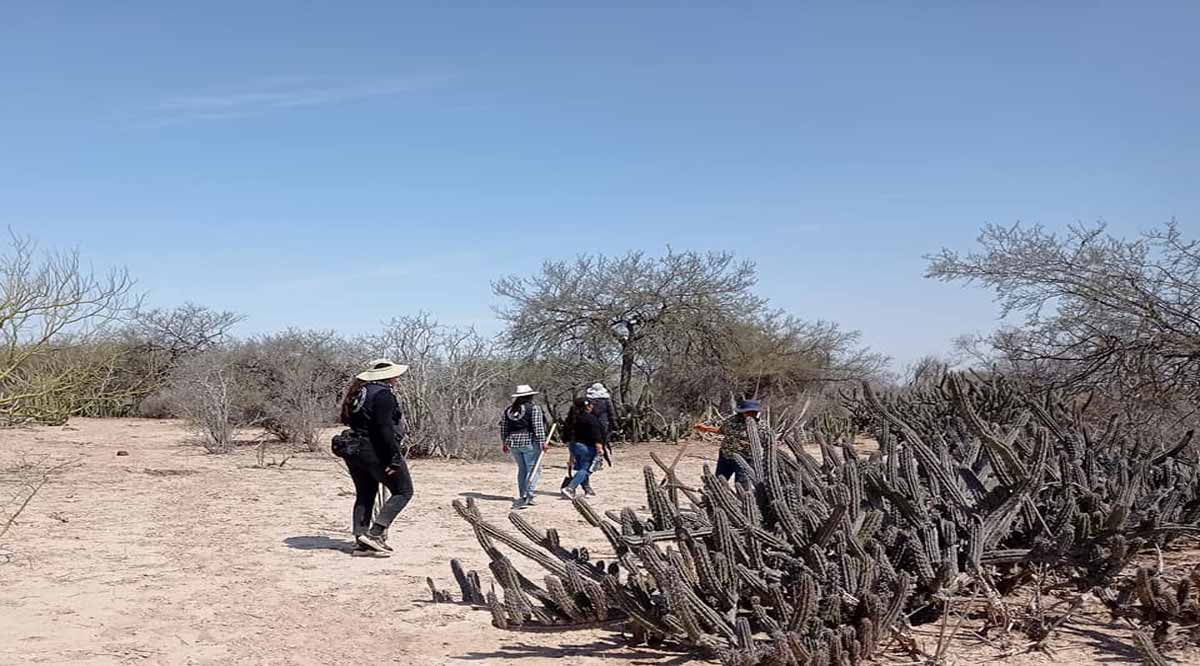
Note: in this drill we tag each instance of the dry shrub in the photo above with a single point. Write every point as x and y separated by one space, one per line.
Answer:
294 380
206 392
52 308
453 394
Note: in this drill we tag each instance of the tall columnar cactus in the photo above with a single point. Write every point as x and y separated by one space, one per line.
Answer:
817 562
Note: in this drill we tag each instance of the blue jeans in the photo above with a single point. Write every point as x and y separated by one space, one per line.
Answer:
583 457
526 460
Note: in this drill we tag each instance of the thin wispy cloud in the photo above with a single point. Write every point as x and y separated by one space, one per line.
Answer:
278 96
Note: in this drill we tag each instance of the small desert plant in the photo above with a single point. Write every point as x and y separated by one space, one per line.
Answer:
28 476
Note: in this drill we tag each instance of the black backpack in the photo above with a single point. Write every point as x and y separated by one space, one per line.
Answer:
522 424
349 443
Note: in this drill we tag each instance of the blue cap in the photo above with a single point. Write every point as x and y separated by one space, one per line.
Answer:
744 406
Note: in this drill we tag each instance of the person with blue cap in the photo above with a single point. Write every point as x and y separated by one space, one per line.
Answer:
736 440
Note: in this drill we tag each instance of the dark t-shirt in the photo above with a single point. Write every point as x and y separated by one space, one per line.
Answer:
588 429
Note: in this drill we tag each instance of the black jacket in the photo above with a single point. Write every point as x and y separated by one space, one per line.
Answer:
587 429
606 414
379 417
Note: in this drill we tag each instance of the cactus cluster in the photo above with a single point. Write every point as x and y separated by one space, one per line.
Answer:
819 559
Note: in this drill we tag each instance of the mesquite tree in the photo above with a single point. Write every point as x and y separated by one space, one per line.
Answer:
619 308
1100 313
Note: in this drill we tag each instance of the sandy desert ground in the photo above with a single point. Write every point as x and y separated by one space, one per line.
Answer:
172 556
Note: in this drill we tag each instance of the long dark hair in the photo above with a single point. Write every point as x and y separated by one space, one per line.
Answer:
518 401
348 400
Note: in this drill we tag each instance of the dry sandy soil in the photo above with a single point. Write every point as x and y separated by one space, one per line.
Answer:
172 556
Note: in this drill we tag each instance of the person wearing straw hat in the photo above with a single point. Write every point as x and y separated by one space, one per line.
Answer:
523 436
372 412
736 438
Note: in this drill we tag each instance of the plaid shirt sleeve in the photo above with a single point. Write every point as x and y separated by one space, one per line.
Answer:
539 427
503 429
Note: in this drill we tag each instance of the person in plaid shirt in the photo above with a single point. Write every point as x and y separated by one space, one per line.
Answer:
736 438
523 436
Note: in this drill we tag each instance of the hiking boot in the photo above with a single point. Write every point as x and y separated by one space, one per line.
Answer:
360 550
567 493
588 492
373 542
529 501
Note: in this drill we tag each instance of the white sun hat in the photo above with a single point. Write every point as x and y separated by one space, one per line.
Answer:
524 390
380 369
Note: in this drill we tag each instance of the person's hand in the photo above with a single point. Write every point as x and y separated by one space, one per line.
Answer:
545 446
504 447
599 449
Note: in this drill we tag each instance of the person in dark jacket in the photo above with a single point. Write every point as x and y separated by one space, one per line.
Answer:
371 410
604 410
606 413
587 442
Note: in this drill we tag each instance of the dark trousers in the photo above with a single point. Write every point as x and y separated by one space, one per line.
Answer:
368 475
726 468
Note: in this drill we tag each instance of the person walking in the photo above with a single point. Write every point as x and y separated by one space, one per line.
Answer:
736 438
606 413
603 409
523 436
372 412
587 442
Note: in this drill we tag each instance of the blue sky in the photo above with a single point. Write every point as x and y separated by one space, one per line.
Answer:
328 166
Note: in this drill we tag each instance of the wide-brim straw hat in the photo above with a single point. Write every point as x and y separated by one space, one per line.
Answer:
380 369
524 390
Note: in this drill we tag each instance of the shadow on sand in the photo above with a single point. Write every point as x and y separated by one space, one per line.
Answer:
319 543
608 648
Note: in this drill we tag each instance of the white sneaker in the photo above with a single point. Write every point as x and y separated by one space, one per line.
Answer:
567 493
373 543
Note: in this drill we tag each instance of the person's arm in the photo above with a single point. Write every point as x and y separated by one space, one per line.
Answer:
504 431
539 428
598 435
704 427
384 412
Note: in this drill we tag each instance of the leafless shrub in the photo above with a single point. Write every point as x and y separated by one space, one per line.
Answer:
156 341
206 390
925 372
25 478
293 380
452 395
1113 317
